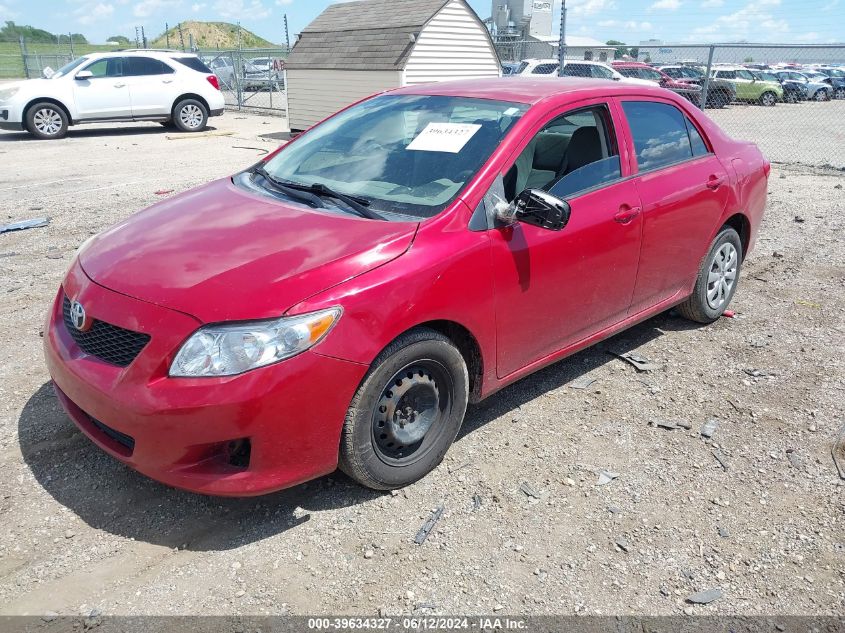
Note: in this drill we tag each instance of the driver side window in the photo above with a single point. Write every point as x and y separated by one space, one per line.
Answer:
572 153
108 67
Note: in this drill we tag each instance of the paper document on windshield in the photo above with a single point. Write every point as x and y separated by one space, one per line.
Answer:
444 137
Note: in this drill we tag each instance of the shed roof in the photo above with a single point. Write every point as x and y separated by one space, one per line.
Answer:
363 35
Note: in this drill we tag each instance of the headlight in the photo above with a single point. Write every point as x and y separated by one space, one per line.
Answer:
226 350
8 93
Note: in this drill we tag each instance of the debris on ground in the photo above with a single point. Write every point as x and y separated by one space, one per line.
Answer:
640 362
163 192
582 382
428 526
622 543
757 373
718 455
705 597
709 428
670 425
606 476
22 225
257 149
794 458
723 532
799 219
476 502
529 490
838 453
729 314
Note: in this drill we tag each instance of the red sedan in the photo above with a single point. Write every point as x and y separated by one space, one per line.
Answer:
341 302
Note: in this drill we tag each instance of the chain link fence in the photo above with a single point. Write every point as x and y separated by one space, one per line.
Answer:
251 79
790 100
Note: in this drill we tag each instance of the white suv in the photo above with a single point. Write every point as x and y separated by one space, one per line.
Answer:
170 87
574 68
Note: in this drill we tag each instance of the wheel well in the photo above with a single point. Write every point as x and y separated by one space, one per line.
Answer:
190 95
469 349
741 225
55 102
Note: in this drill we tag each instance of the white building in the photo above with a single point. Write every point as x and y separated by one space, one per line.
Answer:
522 18
355 49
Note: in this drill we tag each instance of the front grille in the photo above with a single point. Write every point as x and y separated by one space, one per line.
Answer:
117 436
113 344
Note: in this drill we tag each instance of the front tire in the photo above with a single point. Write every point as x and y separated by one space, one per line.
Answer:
190 115
717 279
406 413
822 95
839 94
46 121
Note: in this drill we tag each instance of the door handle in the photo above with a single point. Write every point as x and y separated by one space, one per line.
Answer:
167 81
714 182
626 214
119 85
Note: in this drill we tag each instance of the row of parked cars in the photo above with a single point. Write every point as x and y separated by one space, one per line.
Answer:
753 83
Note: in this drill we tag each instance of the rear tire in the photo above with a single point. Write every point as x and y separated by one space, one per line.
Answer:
768 99
717 279
839 94
406 413
718 99
46 121
790 97
822 95
190 115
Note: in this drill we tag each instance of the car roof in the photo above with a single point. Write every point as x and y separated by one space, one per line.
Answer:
527 90
140 53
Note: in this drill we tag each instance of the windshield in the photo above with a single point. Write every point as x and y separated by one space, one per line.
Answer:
64 70
404 154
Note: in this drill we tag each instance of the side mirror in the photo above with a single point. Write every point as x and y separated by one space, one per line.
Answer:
82 75
537 207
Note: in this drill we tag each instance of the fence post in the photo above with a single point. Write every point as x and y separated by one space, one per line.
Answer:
72 54
706 87
24 57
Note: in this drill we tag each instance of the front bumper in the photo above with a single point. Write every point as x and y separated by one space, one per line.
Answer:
10 118
181 431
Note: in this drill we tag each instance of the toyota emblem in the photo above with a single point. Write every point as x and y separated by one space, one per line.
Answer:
77 315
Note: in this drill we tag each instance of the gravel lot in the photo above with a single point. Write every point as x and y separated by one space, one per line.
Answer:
78 531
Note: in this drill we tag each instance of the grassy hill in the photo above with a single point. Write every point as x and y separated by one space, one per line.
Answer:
211 35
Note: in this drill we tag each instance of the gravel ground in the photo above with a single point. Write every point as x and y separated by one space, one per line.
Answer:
78 531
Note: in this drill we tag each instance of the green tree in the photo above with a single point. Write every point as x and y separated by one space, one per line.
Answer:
620 49
120 39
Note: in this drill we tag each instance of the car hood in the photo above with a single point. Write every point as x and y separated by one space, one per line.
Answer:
220 253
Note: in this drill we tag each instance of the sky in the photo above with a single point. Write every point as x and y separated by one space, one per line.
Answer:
630 21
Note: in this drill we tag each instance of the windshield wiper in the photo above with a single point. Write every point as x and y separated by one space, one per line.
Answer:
354 202
278 185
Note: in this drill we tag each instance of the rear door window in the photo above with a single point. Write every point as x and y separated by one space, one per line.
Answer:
660 134
545 69
147 66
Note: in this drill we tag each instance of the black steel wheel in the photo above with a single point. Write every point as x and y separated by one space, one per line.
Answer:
406 412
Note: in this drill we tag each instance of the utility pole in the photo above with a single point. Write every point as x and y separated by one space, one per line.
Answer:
181 36
166 35
143 37
137 37
287 33
561 45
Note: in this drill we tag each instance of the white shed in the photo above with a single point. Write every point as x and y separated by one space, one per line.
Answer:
355 49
